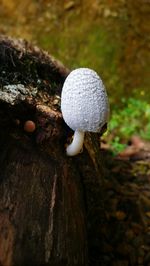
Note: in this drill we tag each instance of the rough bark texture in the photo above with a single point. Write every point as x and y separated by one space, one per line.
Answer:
46 198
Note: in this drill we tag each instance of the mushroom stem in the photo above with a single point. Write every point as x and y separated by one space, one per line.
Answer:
76 146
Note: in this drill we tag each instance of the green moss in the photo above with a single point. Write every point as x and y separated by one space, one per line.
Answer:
132 118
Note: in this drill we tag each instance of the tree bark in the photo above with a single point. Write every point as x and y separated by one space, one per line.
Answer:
46 198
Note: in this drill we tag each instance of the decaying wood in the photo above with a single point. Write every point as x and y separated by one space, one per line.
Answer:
46 198
57 210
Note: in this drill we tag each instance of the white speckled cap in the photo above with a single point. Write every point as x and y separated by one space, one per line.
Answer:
84 101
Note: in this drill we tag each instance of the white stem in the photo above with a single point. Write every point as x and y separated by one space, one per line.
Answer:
76 146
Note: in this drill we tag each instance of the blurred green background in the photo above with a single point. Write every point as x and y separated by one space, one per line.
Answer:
110 36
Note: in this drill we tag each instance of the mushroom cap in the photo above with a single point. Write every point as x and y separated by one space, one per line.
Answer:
84 101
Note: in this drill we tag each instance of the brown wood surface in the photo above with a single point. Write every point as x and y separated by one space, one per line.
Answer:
46 198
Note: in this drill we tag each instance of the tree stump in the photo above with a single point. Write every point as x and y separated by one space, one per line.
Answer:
46 198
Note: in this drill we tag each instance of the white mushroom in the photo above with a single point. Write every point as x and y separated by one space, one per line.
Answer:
84 105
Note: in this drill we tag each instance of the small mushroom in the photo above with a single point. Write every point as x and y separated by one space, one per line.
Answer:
29 126
84 105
